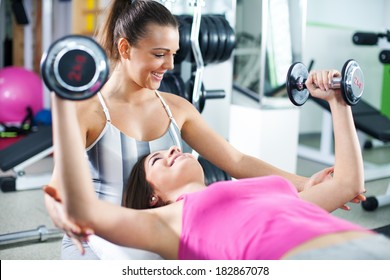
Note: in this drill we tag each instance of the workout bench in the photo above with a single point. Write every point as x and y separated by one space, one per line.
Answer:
25 152
368 122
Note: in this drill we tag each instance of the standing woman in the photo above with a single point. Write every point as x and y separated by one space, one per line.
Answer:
129 118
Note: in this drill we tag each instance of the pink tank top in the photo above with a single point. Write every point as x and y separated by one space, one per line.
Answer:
257 218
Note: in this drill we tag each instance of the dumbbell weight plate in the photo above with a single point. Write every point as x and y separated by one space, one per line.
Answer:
352 83
185 39
213 39
296 76
75 67
230 40
199 105
222 35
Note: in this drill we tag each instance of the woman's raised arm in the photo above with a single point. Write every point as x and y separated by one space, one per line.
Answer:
123 226
348 176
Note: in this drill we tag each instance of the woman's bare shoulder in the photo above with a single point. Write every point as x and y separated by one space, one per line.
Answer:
90 115
177 102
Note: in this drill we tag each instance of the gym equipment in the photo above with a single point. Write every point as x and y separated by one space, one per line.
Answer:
374 202
75 67
365 38
25 152
230 41
351 83
384 56
43 117
212 173
41 234
185 39
203 95
24 128
216 39
369 38
173 83
19 89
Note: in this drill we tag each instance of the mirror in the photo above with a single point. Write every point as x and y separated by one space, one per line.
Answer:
269 39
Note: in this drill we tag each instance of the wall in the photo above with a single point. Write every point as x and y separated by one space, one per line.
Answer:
330 26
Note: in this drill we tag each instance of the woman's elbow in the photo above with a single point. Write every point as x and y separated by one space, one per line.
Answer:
80 212
353 185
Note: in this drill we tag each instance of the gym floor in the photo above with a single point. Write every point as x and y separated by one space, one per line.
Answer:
25 210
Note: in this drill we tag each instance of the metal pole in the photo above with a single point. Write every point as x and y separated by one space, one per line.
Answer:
42 233
196 50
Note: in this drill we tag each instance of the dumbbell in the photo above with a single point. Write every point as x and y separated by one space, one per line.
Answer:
351 83
75 67
203 94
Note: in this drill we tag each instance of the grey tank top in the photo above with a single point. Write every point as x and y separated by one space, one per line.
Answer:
112 156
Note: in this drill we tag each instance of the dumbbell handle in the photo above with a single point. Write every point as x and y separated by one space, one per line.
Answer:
351 83
335 83
215 94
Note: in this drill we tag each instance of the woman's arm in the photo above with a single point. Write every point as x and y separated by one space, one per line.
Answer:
220 152
348 176
122 226
55 207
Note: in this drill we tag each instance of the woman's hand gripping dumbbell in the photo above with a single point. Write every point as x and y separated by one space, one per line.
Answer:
351 83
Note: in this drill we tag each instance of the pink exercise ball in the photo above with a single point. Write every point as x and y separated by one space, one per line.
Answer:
19 88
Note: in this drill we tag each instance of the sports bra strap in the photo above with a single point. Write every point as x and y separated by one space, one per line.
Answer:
165 105
107 113
105 109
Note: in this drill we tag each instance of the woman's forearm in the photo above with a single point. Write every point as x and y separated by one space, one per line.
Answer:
74 178
348 157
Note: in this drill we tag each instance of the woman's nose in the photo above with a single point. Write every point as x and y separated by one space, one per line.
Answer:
169 62
173 150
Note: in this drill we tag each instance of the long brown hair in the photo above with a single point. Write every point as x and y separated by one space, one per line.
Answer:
129 20
138 191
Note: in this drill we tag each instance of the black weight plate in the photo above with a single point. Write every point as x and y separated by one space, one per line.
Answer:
230 40
203 37
75 67
181 87
296 76
166 83
190 90
222 36
352 83
213 40
185 39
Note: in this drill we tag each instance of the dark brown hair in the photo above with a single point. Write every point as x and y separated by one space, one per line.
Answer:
138 191
129 20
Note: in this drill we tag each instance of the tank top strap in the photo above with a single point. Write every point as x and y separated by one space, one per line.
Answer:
105 109
165 105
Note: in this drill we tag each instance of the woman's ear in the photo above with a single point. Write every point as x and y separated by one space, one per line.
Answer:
124 48
153 200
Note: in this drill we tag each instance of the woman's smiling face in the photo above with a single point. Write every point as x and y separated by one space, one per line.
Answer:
168 170
153 56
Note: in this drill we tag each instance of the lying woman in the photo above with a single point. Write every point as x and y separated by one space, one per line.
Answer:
254 218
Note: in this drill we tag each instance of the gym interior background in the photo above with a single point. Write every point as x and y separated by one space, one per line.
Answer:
255 115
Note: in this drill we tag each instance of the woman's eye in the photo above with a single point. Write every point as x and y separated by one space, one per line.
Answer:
159 55
154 160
